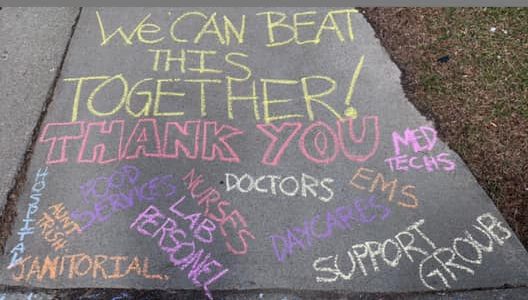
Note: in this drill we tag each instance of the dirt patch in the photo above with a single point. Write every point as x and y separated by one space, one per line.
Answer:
467 70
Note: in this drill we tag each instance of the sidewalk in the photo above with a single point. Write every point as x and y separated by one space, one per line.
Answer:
184 153
33 42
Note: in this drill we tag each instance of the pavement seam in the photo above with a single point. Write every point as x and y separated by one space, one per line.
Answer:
10 211
79 292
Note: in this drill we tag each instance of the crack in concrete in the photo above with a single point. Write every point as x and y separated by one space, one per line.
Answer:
10 210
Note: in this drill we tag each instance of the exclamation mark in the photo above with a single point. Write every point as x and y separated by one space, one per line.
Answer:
351 112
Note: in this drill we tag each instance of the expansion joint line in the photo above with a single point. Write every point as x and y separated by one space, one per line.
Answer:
9 213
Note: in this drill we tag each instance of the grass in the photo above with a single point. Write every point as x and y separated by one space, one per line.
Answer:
478 98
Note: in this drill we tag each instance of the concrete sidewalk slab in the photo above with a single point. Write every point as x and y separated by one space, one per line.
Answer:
32 44
187 152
